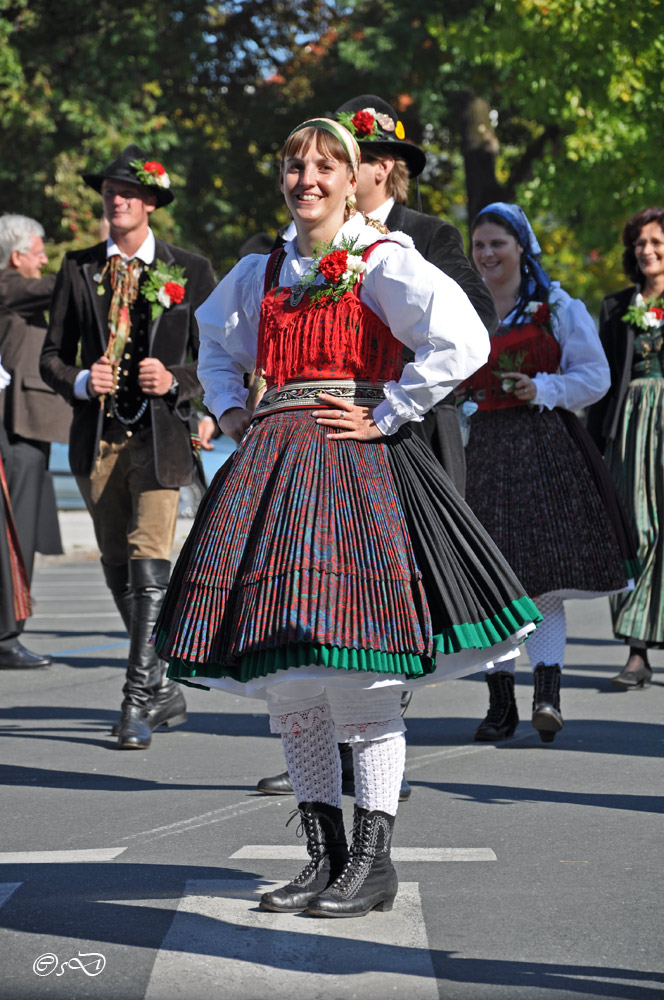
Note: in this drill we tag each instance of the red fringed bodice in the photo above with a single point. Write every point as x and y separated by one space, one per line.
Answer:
324 340
542 354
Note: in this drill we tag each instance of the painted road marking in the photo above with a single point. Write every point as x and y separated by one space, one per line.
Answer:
59 857
275 852
7 889
219 936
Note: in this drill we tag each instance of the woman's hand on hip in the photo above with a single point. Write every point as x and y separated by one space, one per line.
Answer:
524 387
235 421
351 422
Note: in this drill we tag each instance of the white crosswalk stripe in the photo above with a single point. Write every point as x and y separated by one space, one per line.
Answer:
59 857
220 940
274 852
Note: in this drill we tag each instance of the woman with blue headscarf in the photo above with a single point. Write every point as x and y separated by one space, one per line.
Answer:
535 480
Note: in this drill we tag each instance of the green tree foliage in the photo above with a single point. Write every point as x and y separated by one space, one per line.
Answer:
78 81
552 103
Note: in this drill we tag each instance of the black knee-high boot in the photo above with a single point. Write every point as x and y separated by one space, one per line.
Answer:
148 580
168 705
323 826
368 881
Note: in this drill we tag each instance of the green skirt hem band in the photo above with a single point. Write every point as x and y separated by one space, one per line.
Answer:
456 638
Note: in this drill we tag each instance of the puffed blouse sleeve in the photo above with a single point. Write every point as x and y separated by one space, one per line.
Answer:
228 328
430 313
584 371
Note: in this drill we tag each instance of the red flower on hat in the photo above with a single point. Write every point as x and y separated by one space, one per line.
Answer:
153 167
333 265
364 123
174 291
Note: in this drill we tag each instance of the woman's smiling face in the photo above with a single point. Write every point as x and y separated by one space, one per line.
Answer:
316 186
496 253
649 251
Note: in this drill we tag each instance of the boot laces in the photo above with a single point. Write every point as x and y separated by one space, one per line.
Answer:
309 827
547 683
500 698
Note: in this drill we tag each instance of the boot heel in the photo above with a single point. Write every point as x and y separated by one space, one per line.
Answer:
176 720
386 905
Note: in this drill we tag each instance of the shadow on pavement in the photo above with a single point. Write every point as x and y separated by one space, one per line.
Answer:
102 903
504 795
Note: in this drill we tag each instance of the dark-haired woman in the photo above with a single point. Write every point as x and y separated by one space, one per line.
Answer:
628 425
332 565
535 480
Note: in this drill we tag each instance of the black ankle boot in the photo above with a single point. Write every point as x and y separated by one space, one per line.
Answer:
369 881
323 826
547 719
502 718
148 579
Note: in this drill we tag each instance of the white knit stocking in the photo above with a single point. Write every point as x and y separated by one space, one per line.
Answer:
547 643
378 767
314 764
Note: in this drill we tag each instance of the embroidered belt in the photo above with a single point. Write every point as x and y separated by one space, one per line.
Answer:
296 395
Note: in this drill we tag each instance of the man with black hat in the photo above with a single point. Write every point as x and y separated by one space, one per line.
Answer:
389 161
121 348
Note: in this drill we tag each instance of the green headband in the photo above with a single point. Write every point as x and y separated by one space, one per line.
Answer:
347 140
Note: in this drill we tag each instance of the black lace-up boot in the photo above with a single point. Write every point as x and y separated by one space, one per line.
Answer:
368 881
323 827
547 719
502 718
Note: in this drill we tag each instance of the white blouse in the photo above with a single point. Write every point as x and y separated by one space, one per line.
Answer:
424 308
584 371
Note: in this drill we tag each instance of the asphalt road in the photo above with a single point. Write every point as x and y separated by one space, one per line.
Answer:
528 872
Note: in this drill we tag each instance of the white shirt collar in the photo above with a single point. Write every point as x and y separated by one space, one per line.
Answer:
381 213
145 252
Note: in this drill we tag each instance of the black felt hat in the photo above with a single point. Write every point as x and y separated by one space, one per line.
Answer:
134 165
380 128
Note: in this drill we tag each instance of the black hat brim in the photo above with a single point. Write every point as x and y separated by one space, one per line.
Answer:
164 196
414 157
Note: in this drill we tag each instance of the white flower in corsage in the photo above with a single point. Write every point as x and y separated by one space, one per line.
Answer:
509 363
645 315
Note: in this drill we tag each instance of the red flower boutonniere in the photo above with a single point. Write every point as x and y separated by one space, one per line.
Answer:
542 313
164 287
643 315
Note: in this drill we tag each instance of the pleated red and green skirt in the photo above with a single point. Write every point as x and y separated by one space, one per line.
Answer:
355 556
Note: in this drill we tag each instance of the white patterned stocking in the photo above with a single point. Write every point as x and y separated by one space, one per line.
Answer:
547 643
378 767
314 764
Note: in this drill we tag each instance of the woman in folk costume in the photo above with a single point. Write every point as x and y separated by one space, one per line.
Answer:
332 565
628 426
535 479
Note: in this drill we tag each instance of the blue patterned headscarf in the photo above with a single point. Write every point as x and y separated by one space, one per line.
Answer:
533 273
